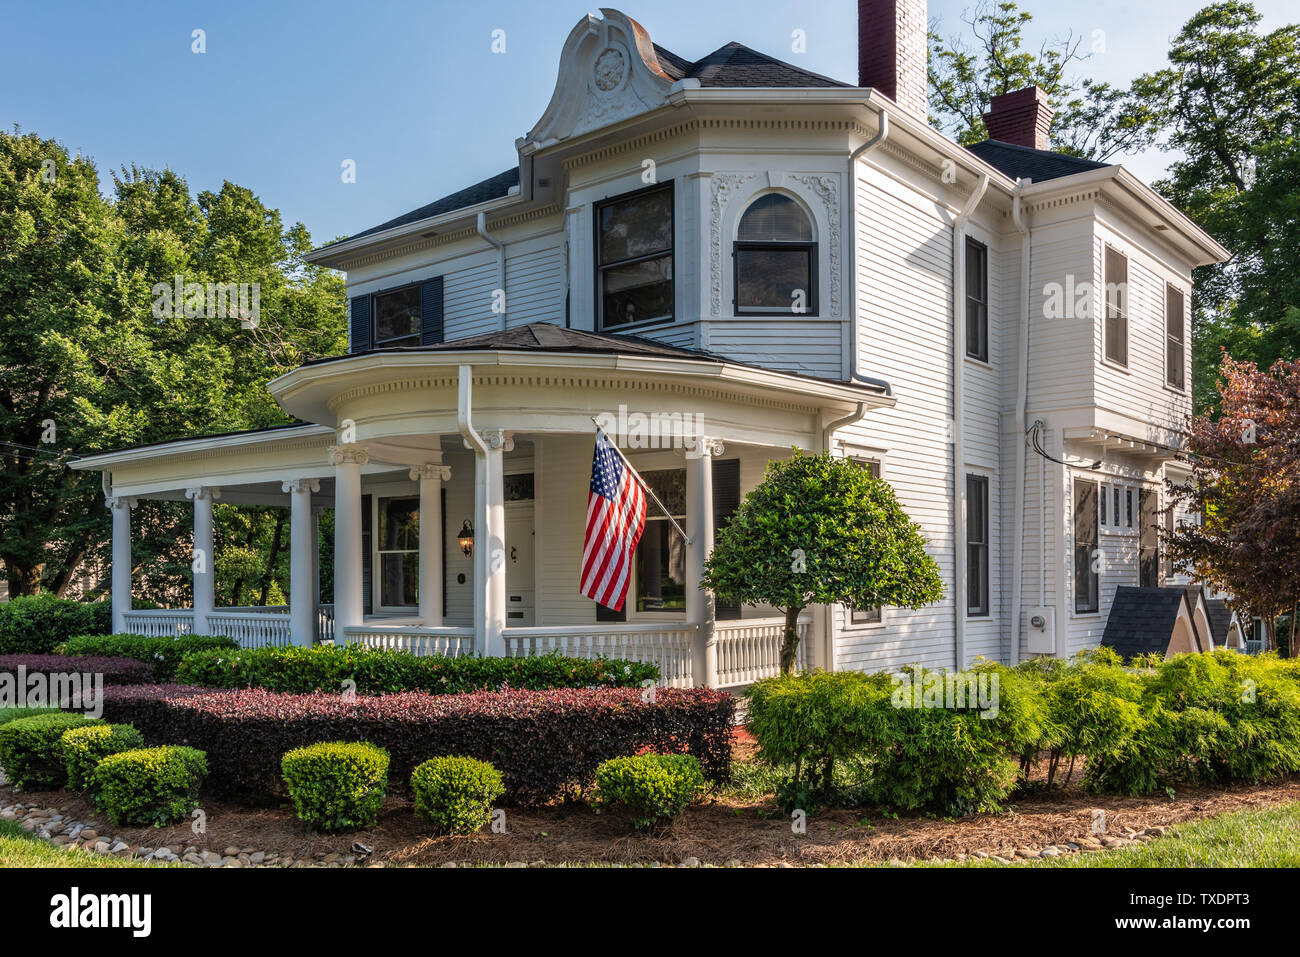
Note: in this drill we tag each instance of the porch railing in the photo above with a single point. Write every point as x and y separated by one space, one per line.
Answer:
418 641
253 626
671 647
750 649
159 622
251 629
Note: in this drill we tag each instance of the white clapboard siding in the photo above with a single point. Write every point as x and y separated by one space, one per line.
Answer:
808 346
535 282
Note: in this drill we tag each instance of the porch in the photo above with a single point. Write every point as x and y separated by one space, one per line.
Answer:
457 486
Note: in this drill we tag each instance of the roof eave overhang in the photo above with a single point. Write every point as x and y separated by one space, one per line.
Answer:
103 461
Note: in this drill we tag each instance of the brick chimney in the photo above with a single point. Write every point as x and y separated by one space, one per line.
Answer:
1022 118
892 50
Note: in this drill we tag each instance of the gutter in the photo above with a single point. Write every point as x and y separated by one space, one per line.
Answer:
1022 403
882 133
958 418
480 226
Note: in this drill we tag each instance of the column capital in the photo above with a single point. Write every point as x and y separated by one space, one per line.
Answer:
349 455
703 446
297 485
120 501
499 439
196 492
430 471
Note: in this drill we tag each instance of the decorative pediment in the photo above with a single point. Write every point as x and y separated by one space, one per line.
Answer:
608 73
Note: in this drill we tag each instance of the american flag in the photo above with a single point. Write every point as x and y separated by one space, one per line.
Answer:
615 521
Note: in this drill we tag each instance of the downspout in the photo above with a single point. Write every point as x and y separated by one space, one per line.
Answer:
1022 401
481 227
958 417
882 133
474 442
826 613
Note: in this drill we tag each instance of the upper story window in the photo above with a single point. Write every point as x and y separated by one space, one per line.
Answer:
1116 331
397 318
977 300
1175 337
775 259
634 258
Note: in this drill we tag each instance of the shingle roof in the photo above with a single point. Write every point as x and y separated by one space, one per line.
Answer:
1220 616
1142 619
494 187
1023 161
737 66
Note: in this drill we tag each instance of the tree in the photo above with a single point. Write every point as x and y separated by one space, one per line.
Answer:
1245 486
819 530
1092 119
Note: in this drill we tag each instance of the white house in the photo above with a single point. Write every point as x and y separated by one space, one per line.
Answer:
724 259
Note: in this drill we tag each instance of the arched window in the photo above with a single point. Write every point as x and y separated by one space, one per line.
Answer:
776 259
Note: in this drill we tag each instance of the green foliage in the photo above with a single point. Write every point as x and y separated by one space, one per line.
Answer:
36 624
31 751
821 530
85 746
295 670
652 788
337 786
164 653
455 794
9 714
156 786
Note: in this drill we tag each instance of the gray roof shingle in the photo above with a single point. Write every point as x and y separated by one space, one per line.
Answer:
1142 620
1023 161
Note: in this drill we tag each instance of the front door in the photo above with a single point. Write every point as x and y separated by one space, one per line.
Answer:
519 564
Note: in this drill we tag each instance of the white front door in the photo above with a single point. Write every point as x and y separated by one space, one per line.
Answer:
519 564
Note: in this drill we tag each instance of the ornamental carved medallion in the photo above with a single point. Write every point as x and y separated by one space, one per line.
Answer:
609 70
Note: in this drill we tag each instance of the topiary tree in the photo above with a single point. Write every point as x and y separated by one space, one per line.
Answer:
820 530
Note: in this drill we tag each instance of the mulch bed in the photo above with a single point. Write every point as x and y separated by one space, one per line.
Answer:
724 830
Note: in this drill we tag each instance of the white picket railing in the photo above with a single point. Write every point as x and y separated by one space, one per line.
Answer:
750 649
324 623
159 622
251 629
421 642
670 646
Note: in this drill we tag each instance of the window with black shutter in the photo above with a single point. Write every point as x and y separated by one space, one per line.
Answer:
410 315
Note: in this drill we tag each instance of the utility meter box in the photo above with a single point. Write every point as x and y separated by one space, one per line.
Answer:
1039 628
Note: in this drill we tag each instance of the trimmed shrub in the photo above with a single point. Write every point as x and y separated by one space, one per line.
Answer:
337 786
163 654
652 788
36 624
547 744
455 794
295 670
9 714
31 751
116 671
84 747
150 785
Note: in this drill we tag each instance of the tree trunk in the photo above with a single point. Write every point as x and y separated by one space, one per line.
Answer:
275 554
1292 651
790 646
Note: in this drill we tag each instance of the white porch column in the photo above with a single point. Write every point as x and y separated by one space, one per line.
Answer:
431 476
121 590
347 461
490 540
700 607
204 559
302 604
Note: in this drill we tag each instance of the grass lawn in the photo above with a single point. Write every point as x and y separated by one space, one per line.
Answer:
18 848
1269 837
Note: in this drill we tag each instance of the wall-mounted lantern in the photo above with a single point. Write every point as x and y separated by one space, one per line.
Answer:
466 538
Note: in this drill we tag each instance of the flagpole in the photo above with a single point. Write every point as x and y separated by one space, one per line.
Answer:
648 490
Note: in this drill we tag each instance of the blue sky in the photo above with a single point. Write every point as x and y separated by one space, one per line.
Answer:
411 91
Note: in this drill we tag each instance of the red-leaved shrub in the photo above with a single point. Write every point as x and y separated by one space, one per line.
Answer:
545 743
116 671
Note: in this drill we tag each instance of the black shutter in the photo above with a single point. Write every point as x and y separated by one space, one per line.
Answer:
726 498
365 555
609 614
431 312
360 324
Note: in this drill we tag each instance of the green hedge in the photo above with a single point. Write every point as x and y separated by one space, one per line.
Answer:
337 786
9 714
31 749
150 786
163 654
85 746
652 789
454 794
295 670
36 624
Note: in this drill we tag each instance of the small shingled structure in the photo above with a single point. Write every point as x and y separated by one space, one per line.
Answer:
1142 619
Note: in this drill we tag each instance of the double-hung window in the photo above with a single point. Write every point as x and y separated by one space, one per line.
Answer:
399 552
977 545
775 259
1116 329
634 258
872 615
1175 338
977 300
1086 542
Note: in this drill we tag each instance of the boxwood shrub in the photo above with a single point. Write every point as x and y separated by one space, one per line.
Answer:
115 671
295 670
455 794
545 743
31 751
85 746
337 785
9 714
653 789
150 785
36 624
163 654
